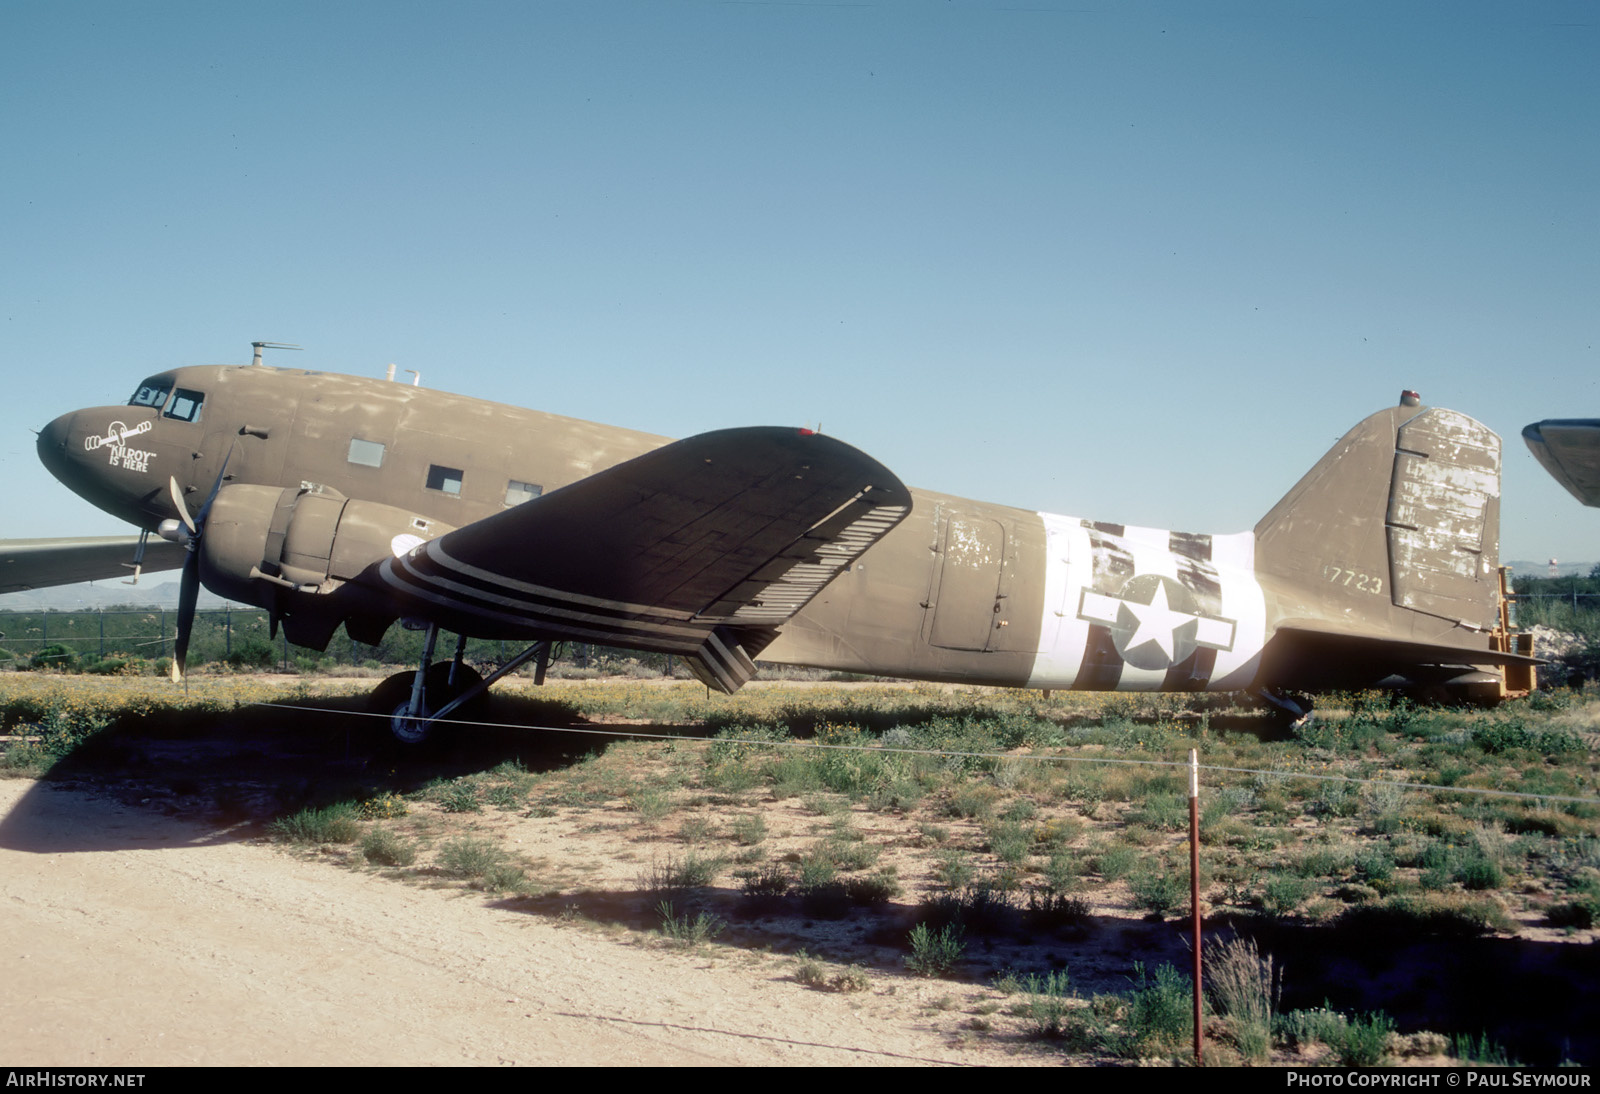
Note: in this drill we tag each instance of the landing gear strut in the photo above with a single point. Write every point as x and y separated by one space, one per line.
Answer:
415 702
1295 707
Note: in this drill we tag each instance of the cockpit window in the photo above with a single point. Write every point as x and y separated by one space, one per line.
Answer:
185 405
151 393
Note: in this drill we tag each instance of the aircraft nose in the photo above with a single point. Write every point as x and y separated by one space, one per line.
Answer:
53 443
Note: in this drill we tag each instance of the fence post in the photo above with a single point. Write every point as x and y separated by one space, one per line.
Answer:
1194 886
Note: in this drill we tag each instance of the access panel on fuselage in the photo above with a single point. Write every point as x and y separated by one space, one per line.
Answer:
972 587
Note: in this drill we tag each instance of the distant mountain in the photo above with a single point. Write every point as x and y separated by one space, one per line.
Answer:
1542 569
153 591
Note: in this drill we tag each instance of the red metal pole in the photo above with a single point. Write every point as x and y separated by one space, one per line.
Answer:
1194 887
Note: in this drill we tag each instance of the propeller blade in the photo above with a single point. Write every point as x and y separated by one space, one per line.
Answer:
188 596
189 590
216 488
178 504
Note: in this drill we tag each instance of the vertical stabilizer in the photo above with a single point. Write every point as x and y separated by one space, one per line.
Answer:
1394 533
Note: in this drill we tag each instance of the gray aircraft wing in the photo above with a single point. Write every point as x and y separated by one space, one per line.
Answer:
702 547
38 563
1569 448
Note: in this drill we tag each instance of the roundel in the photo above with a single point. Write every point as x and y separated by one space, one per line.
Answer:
1157 622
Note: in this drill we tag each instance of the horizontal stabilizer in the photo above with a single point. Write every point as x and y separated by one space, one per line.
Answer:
1333 646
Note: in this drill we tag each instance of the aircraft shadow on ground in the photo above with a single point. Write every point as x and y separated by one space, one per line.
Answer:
229 777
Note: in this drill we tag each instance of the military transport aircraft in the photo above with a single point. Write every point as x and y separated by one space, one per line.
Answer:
331 499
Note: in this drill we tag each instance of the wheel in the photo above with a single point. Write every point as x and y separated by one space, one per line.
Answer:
392 699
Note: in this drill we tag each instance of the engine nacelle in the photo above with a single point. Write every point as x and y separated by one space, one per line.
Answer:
293 551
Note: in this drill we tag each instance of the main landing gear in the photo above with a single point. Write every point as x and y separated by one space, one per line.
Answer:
1294 709
415 702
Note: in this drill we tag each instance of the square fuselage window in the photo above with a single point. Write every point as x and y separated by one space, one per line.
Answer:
519 492
446 479
366 453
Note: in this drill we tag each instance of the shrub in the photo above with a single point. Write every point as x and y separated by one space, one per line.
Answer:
768 883
1116 863
384 806
1160 1015
61 658
1574 914
873 889
469 858
1243 985
934 953
332 824
813 974
1009 842
693 871
1158 890
1048 1004
1053 910
1498 737
748 829
383 848
1450 914
253 653
458 797
686 930
1283 894
1364 1040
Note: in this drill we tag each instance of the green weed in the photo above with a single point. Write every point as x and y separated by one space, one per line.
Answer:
331 824
382 847
935 952
688 930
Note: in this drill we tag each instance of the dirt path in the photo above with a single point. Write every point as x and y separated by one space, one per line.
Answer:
135 939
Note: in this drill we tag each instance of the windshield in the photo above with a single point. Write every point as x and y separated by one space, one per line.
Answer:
153 392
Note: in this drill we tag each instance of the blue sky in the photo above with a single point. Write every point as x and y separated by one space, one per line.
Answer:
1142 262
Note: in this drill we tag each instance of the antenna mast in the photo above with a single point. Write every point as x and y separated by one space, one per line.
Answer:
259 346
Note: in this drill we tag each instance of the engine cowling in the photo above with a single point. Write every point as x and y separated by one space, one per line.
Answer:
297 551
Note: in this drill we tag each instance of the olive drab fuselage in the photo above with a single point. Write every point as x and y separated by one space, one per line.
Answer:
320 478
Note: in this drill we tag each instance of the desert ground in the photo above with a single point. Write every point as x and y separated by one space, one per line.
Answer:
158 912
138 939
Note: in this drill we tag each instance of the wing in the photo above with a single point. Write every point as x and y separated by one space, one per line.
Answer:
37 563
1570 451
702 548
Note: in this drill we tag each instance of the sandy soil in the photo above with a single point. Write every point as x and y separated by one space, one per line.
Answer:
135 939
